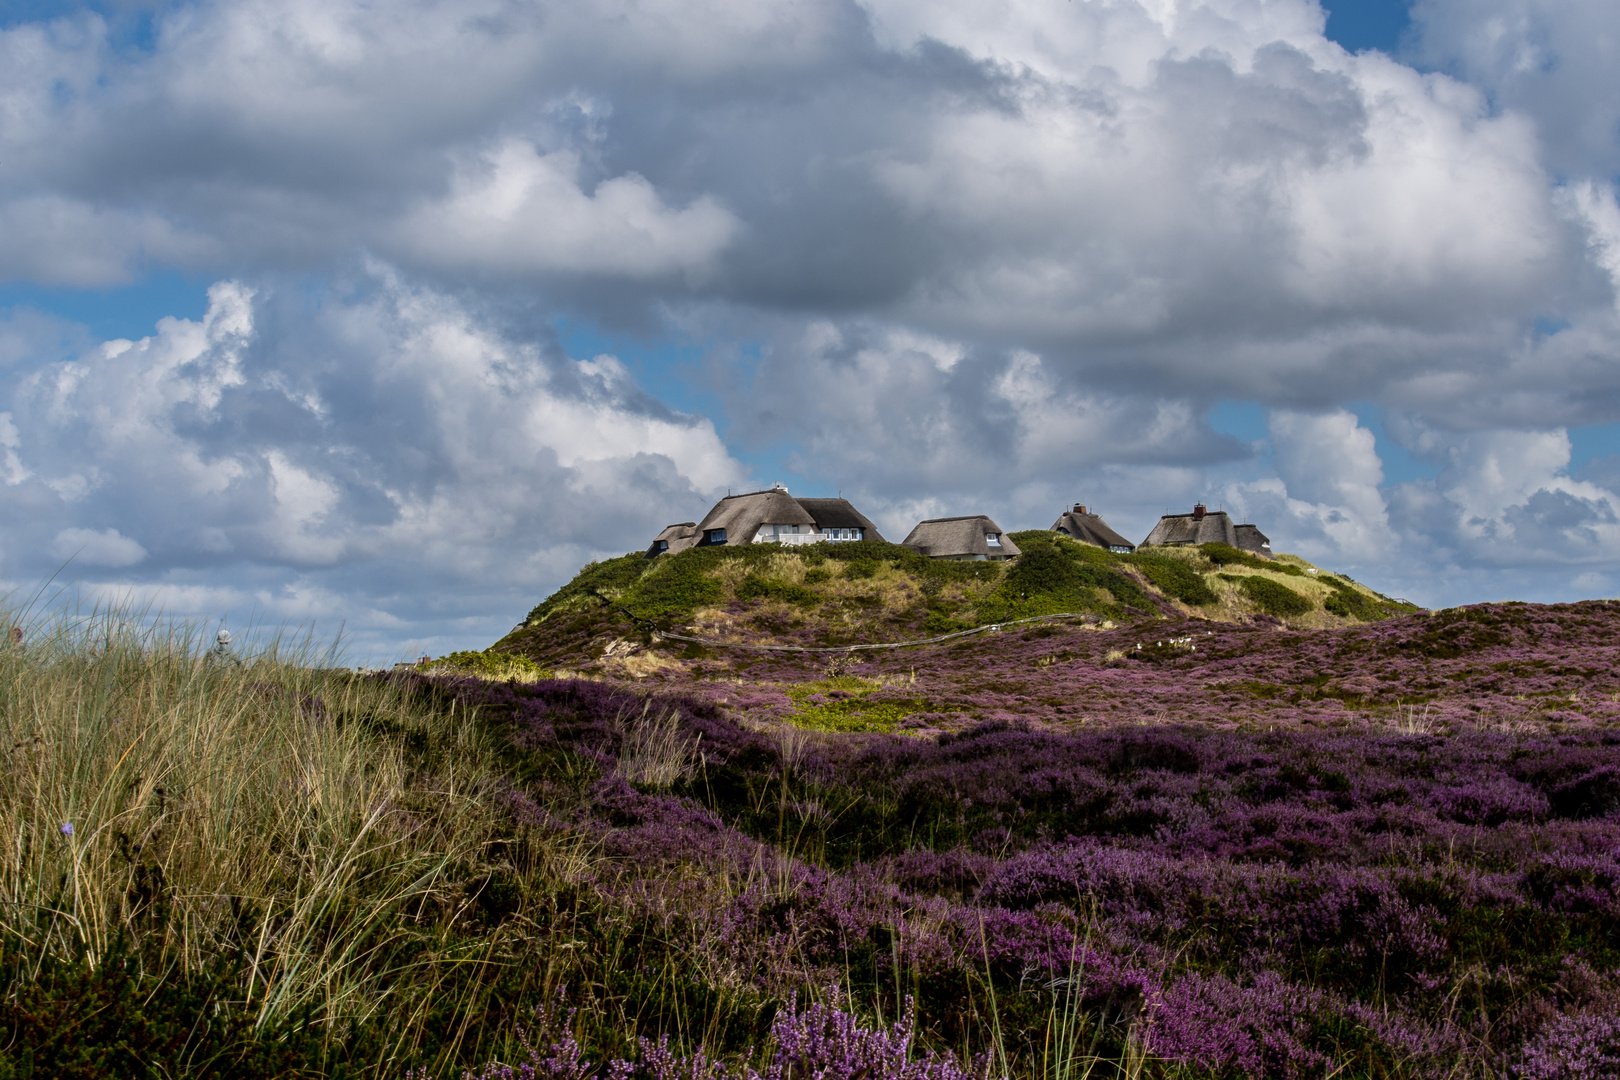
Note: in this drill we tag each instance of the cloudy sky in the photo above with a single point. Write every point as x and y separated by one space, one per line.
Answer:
389 314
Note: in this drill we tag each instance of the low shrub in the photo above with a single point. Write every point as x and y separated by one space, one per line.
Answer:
490 664
872 551
1348 602
1227 555
597 584
674 587
1175 578
757 587
1049 577
1272 597
129 1018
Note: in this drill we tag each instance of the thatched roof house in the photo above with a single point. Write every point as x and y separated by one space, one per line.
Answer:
772 517
1203 527
975 537
1090 528
674 538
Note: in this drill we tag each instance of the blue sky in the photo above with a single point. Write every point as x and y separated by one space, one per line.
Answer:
1368 24
427 310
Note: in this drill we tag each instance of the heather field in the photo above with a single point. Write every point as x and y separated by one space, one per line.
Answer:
1388 850
1173 842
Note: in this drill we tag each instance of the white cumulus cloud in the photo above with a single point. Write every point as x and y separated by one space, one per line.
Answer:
107 547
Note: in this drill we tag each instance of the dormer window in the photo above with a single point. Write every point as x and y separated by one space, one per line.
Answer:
663 546
993 539
714 536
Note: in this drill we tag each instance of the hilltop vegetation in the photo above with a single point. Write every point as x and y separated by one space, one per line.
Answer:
840 594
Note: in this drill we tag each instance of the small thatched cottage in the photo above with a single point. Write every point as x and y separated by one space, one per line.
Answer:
768 517
674 538
1090 528
975 538
1203 527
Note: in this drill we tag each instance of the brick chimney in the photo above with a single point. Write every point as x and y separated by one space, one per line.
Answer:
1199 510
1079 508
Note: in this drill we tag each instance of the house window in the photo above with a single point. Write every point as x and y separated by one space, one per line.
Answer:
663 546
714 536
993 539
843 534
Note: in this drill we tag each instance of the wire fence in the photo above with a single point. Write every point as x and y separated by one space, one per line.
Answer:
988 628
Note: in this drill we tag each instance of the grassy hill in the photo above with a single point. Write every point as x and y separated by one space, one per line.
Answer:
866 592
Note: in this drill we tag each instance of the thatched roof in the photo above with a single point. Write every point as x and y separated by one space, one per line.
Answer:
739 519
960 538
839 514
678 537
1203 527
741 516
1250 538
1090 528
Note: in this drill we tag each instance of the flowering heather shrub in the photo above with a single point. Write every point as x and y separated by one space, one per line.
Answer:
1261 1029
821 1041
1573 1048
1304 874
1511 667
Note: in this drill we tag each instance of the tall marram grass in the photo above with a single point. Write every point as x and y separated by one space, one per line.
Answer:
260 806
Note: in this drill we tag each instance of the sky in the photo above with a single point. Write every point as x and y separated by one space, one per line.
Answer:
382 317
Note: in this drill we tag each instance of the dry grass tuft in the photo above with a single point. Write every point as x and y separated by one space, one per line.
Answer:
654 752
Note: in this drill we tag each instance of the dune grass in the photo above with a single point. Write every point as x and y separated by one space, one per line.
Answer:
162 803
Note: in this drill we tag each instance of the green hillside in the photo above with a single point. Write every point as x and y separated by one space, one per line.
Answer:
850 593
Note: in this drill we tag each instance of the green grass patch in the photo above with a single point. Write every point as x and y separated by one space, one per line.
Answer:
843 703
